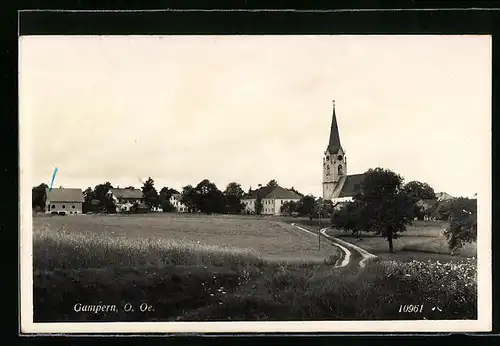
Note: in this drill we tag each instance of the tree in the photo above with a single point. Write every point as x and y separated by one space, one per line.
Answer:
166 193
307 206
258 204
419 191
443 210
190 198
288 207
210 198
166 206
150 194
350 218
385 208
88 195
100 194
233 194
39 196
326 207
272 183
463 223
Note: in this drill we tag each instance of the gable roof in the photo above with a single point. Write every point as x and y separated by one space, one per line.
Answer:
127 193
65 195
177 196
442 196
276 192
351 185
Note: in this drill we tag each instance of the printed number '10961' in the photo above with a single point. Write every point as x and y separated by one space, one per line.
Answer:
411 308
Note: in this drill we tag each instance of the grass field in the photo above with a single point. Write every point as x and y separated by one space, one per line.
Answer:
421 240
243 269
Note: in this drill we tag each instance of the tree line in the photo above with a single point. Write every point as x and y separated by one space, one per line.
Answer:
383 205
205 197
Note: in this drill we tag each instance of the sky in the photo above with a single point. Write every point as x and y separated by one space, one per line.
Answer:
249 109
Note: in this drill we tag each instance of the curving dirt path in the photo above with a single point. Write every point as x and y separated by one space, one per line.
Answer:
353 256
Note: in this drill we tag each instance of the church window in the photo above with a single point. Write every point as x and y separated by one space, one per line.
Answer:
328 158
327 170
340 170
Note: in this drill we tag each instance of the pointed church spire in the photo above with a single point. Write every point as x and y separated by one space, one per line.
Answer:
334 142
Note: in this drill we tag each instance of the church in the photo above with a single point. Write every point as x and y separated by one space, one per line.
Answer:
338 186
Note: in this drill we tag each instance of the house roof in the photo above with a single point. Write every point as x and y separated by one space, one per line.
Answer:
443 196
276 192
127 193
334 141
429 202
177 196
351 185
65 195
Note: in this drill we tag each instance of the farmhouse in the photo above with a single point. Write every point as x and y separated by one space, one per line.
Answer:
124 199
175 200
272 197
338 186
64 201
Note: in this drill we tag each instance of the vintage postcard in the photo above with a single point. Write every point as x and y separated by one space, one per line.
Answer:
239 184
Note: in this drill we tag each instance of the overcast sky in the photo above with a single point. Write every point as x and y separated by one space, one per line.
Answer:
253 108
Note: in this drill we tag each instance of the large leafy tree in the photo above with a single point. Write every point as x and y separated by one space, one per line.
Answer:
100 194
258 204
166 193
210 198
289 207
463 223
307 206
350 218
233 194
151 197
419 191
190 198
39 196
386 209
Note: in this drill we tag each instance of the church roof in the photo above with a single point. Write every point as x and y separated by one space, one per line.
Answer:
334 141
351 185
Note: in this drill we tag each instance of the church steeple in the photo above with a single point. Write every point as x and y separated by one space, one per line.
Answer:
334 142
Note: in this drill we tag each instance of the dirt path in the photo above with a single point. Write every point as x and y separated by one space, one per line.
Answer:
353 256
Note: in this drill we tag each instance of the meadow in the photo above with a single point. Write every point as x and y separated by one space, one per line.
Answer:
200 268
421 240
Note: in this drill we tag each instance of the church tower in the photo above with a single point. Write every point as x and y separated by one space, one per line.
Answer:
334 161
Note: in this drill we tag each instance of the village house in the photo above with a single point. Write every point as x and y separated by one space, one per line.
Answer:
338 186
124 199
272 197
175 200
63 201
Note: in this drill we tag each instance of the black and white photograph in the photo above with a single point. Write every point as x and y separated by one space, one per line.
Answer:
255 183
